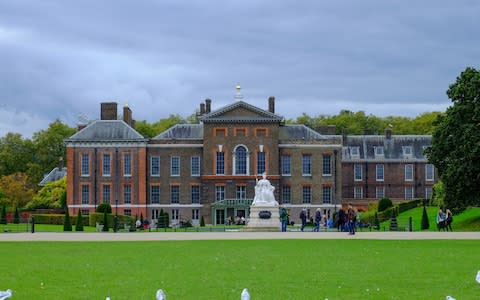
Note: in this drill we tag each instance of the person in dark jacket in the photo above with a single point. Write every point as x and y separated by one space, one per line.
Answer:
318 219
303 218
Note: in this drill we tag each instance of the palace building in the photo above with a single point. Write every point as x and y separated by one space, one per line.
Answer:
210 169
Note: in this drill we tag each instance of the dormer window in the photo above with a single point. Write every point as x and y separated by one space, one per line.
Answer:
407 151
355 152
379 151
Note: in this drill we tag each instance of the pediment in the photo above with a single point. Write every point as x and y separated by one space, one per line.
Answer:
240 112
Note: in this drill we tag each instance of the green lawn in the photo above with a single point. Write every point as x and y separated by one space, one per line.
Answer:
274 269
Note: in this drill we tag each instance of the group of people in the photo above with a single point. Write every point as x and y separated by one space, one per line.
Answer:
347 220
444 220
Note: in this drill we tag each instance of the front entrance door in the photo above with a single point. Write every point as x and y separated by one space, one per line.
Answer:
220 216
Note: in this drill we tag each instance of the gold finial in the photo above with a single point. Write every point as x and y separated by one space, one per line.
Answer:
238 88
126 103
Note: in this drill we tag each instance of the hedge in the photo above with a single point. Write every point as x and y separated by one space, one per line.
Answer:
95 218
56 219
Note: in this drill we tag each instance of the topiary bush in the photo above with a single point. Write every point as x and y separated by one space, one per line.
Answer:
384 204
425 221
79 223
104 207
105 221
67 223
202 222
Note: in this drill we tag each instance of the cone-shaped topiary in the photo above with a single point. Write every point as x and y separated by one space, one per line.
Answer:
67 224
16 216
384 203
105 221
3 215
425 222
79 224
202 222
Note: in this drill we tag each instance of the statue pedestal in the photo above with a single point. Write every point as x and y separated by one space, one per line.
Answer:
258 220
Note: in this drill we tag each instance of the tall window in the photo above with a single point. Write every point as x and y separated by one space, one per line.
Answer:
85 165
306 165
286 194
428 192
175 194
127 194
106 165
175 166
175 214
195 165
240 160
85 194
155 165
409 172
327 165
380 192
286 164
127 164
219 193
409 192
429 172
260 162
307 194
241 192
358 192
106 194
327 194
358 172
380 172
154 194
195 194
195 214
220 163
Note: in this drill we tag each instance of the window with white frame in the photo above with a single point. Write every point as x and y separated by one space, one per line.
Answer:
358 172
327 194
286 194
220 165
379 151
127 194
286 165
409 192
219 193
195 214
306 165
155 166
240 160
127 164
106 194
409 172
106 165
175 166
354 152
307 194
175 214
326 165
174 194
380 174
195 166
85 165
195 194
127 212
407 151
428 192
260 162
358 192
154 194
241 192
85 194
429 172
380 192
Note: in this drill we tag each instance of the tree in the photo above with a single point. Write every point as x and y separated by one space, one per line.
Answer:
79 223
3 215
425 222
52 195
105 221
455 149
384 203
16 216
16 189
202 222
15 154
67 224
104 207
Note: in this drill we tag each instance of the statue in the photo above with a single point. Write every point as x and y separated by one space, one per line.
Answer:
264 193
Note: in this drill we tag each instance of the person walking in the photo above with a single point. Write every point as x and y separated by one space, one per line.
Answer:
318 219
448 221
352 219
303 218
441 220
284 218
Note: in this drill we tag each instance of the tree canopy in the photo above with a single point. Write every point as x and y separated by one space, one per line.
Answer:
455 149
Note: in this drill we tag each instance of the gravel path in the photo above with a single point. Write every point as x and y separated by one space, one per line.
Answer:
171 236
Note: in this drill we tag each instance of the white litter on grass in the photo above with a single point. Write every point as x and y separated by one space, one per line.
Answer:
450 298
5 294
245 295
161 295
478 277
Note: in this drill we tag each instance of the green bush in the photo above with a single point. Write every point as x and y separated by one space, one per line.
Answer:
105 221
202 222
425 222
104 207
79 223
16 216
384 204
3 215
404 206
95 218
163 219
67 223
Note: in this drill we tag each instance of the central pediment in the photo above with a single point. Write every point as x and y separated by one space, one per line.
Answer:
240 112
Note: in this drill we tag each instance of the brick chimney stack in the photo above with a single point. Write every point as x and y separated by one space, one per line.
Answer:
127 115
388 133
271 104
108 111
208 104
202 109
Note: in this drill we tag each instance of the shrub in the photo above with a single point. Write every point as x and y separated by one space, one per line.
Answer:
105 221
163 219
3 215
95 218
404 206
79 224
376 222
104 207
425 222
67 223
384 204
202 222
16 216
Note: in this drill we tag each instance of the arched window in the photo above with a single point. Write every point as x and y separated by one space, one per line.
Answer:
240 160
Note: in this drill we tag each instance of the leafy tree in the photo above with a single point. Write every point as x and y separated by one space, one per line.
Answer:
425 222
79 223
16 189
456 142
438 195
15 154
16 216
3 215
384 203
52 195
104 207
67 224
105 221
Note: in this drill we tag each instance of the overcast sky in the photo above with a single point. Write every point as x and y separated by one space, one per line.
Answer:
59 59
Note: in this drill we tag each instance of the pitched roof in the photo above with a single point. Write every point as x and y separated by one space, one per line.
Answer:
54 175
107 130
302 133
182 131
258 115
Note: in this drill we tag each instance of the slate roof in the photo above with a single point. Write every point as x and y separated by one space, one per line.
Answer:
262 116
54 175
302 133
181 132
107 130
393 148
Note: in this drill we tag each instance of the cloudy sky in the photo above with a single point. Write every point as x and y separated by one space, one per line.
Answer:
59 59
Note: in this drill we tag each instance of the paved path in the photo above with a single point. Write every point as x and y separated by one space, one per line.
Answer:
171 236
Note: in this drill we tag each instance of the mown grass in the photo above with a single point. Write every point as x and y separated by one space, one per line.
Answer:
274 269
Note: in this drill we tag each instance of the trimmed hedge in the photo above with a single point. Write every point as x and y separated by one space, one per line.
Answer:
95 218
56 219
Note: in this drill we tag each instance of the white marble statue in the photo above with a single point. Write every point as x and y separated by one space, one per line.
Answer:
264 193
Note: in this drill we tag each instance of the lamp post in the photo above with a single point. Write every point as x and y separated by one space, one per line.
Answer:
115 220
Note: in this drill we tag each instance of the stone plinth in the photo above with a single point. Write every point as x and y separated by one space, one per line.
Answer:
256 223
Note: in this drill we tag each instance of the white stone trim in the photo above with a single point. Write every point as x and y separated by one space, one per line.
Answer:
309 145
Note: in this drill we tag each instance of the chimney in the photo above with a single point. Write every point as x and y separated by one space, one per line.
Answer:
388 133
208 103
108 111
344 136
271 104
202 109
127 115
60 163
